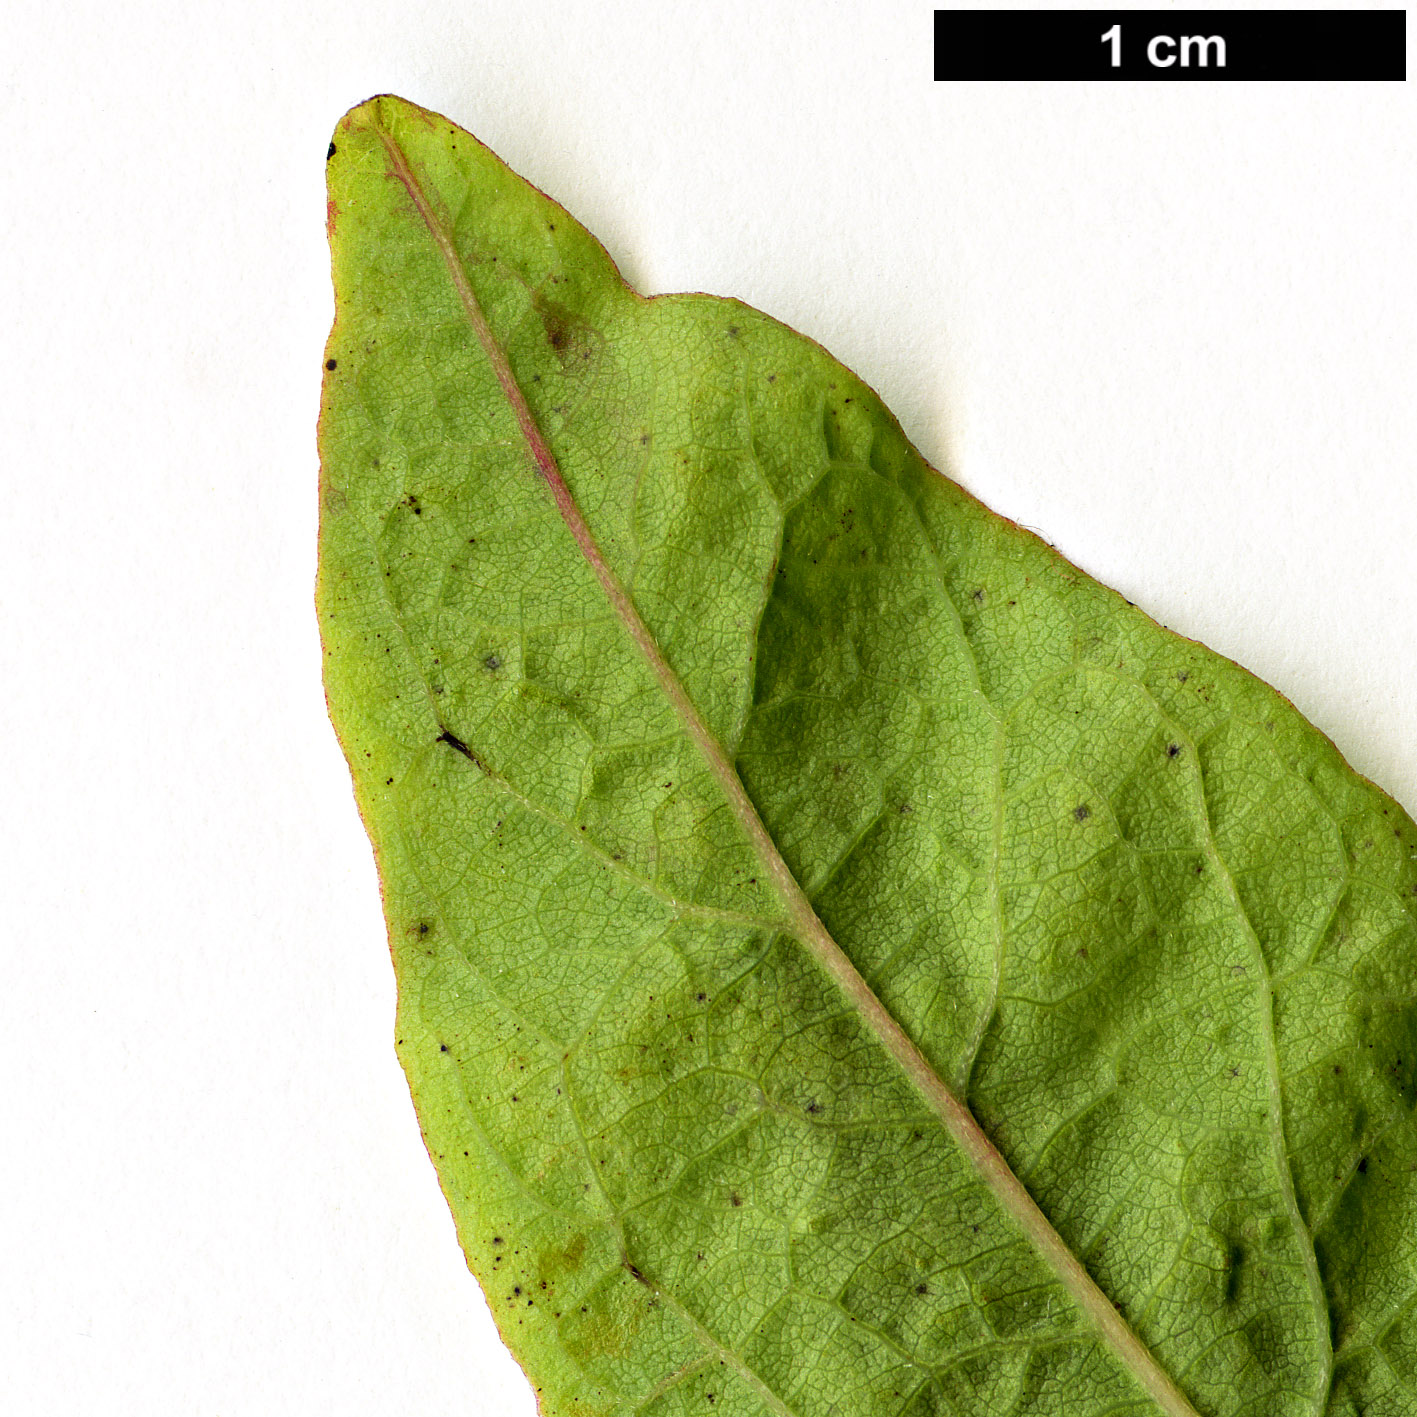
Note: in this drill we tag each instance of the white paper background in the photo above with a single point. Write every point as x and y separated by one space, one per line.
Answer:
1169 326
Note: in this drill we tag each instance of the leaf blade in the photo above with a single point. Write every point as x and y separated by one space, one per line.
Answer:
856 491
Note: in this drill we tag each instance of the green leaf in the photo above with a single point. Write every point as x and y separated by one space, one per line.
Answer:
849 962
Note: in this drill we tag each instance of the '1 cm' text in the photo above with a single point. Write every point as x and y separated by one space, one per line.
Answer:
1163 50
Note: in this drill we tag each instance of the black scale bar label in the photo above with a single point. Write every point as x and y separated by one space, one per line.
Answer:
1171 45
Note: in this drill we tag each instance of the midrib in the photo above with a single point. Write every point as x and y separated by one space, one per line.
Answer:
957 1119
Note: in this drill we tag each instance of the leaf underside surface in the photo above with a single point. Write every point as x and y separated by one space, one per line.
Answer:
746 796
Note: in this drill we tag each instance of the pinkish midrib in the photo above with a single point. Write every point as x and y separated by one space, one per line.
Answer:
989 1163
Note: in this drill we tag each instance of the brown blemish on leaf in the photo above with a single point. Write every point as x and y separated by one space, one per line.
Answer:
573 341
560 1260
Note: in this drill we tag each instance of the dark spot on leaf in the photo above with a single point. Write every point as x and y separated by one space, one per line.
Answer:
1173 750
492 662
566 333
422 927
922 1288
331 364
453 741
442 1047
736 1199
331 152
1081 812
